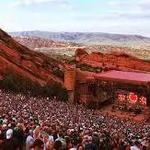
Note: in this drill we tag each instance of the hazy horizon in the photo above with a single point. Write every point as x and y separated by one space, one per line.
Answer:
79 32
128 17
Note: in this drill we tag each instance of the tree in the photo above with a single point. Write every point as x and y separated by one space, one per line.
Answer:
19 84
8 83
56 90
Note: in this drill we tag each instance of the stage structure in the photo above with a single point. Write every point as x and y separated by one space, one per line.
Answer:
127 90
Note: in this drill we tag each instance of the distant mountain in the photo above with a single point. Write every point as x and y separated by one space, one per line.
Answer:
88 38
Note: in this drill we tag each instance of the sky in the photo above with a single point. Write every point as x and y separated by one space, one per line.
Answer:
111 16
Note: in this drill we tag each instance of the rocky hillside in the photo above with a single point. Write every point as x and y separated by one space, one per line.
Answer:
18 59
54 49
36 42
135 52
137 41
65 49
109 61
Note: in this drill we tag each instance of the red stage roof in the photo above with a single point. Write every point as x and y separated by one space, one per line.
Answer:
128 77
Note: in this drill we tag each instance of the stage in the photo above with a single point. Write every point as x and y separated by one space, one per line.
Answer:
127 92
109 110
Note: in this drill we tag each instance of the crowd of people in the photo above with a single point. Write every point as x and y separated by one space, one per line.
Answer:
38 123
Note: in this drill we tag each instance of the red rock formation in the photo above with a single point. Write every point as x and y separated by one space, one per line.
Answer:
118 61
80 52
20 60
70 78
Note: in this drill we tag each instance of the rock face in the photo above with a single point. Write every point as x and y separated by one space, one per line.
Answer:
35 42
85 80
118 61
18 59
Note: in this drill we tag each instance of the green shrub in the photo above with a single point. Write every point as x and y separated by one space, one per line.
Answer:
58 73
18 84
89 68
56 90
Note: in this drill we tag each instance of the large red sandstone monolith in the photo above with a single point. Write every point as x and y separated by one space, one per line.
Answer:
69 82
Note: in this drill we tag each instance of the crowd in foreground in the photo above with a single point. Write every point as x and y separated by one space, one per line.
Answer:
35 123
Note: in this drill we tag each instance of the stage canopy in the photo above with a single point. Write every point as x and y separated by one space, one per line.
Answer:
125 77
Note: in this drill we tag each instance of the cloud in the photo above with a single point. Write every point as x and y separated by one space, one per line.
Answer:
33 2
141 5
144 5
129 10
117 16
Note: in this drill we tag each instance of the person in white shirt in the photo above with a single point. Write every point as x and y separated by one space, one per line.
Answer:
136 146
29 140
